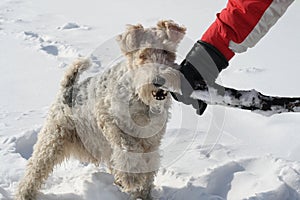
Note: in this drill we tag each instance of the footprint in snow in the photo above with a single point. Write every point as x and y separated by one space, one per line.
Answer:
31 34
24 144
50 49
252 70
219 179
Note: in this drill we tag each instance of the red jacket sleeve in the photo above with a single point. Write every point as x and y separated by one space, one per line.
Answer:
243 23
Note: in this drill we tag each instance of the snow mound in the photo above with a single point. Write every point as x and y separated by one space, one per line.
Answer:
101 186
69 25
73 25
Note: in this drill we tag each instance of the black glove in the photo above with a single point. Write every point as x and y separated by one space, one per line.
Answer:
199 69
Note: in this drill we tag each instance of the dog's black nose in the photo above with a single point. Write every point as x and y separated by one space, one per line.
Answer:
158 81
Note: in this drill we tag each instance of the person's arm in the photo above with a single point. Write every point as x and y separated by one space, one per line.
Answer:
243 23
239 26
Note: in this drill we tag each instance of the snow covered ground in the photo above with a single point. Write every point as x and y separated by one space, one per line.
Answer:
224 154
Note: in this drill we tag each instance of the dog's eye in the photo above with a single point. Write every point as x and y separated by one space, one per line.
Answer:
143 56
165 52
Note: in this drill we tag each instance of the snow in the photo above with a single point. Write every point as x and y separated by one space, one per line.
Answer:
224 154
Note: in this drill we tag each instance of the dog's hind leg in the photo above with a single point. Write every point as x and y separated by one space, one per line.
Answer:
48 151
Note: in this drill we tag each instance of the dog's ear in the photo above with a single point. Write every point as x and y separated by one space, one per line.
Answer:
130 40
174 31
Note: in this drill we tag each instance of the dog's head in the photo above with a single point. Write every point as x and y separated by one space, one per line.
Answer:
151 54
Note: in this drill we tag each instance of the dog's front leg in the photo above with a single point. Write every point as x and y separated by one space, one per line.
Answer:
138 185
132 168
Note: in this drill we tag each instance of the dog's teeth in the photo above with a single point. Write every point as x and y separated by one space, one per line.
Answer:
160 98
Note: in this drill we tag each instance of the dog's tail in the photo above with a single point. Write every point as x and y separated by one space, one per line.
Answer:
74 70
70 79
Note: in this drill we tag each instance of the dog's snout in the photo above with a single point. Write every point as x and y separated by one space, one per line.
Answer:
158 81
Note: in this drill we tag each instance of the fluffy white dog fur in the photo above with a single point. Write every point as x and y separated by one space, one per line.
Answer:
117 117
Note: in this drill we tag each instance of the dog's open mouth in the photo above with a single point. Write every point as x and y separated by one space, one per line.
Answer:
160 94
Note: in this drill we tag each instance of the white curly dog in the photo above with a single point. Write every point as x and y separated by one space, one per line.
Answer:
117 117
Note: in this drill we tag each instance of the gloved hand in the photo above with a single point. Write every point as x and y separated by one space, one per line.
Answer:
199 69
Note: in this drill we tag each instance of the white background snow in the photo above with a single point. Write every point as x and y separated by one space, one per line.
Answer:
245 155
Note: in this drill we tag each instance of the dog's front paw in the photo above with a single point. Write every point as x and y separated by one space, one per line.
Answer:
141 195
